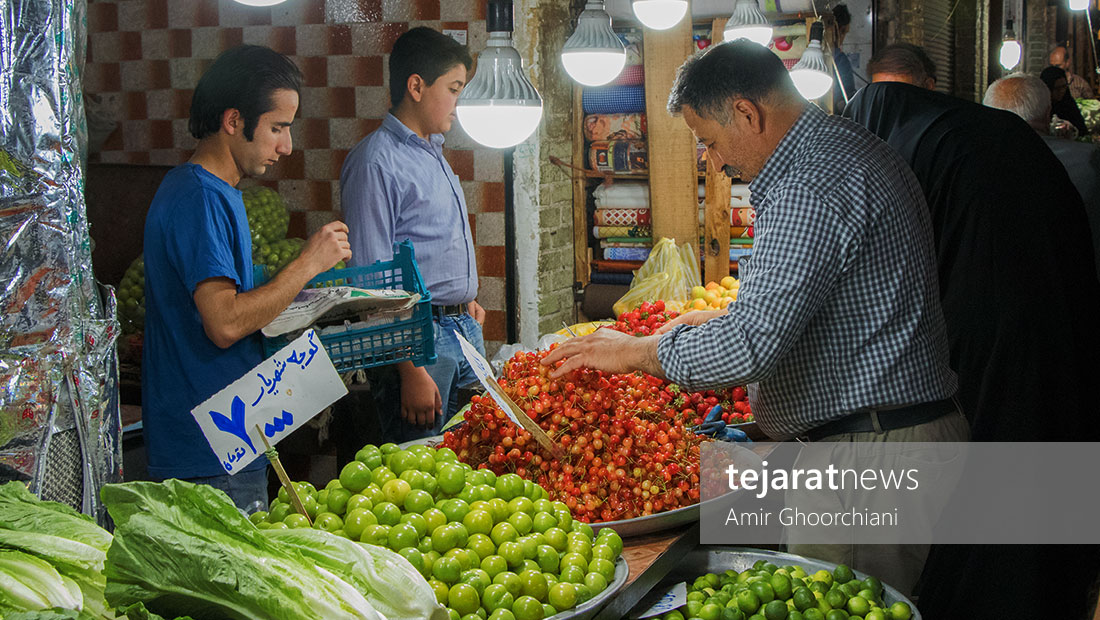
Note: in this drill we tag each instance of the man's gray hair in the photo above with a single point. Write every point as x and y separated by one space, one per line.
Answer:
1023 94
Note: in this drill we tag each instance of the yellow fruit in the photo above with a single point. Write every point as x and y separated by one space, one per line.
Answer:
728 282
699 304
710 297
697 292
725 301
711 286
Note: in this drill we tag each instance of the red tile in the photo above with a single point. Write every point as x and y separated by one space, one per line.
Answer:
315 11
136 107
339 40
230 37
113 141
179 43
160 134
297 227
336 157
490 260
311 133
138 158
102 17
492 197
319 196
206 12
370 10
426 9
341 102
282 40
473 226
239 14
495 327
454 26
314 70
292 166
368 71
156 14
160 74
129 45
480 9
462 162
183 102
103 77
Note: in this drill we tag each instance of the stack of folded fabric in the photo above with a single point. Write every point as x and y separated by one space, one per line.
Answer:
622 213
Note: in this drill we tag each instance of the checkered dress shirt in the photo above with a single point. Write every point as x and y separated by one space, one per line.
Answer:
839 306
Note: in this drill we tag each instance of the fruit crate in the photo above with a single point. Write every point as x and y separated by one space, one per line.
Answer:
409 339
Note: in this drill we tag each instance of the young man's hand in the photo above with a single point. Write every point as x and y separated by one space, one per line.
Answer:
477 312
326 247
420 401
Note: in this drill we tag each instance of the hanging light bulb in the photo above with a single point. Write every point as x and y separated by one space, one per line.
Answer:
499 107
260 2
747 22
1010 48
659 14
811 75
594 55
1078 5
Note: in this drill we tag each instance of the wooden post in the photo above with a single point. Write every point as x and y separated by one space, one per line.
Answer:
716 237
581 270
673 178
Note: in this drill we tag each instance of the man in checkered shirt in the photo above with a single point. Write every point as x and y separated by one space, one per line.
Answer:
837 329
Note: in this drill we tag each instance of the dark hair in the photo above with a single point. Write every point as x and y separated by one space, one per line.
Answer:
737 69
424 52
903 59
1052 74
841 15
243 78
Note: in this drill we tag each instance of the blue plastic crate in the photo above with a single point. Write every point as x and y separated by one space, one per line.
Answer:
412 339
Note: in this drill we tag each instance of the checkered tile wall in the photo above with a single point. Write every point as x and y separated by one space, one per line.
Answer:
145 56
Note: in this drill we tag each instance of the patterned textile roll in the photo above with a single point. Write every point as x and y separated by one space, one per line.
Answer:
621 156
626 253
613 100
622 217
742 217
740 231
604 232
631 75
614 127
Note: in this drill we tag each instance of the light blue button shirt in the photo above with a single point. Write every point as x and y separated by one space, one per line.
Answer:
395 186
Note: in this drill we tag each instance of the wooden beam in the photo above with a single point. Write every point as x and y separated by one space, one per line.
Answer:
716 236
673 178
581 254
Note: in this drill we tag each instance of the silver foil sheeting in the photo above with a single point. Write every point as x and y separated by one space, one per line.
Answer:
58 363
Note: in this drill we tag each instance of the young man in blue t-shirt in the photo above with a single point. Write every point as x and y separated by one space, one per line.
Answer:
396 185
202 310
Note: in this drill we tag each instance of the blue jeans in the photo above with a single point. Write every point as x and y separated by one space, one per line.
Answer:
450 372
248 489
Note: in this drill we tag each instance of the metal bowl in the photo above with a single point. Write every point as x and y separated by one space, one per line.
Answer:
717 559
589 607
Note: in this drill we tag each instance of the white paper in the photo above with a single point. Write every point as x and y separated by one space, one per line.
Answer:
315 304
484 374
675 597
280 395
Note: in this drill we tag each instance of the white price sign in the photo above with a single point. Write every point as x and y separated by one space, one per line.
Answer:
275 399
675 597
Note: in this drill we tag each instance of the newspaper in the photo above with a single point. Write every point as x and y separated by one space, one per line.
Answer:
337 306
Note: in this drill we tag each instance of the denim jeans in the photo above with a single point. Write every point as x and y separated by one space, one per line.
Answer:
450 372
248 489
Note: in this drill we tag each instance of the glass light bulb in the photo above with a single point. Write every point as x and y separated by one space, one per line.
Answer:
660 14
1078 5
593 68
499 126
811 83
1010 53
260 2
756 34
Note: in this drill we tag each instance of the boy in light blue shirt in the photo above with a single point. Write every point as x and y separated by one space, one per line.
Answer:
396 185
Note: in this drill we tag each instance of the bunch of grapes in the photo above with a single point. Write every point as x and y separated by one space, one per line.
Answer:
131 297
278 254
268 218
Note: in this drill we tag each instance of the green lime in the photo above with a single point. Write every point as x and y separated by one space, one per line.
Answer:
900 611
837 614
748 601
858 606
876 614
764 591
813 614
781 585
836 598
843 574
874 585
775 610
804 599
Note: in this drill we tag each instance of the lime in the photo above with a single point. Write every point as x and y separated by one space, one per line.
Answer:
900 611
710 611
781 585
837 614
876 614
843 574
748 601
874 585
763 591
813 614
804 599
836 598
775 610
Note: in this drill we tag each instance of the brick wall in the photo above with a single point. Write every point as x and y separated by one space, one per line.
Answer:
145 56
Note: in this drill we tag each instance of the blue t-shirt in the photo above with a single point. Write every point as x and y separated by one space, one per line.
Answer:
196 229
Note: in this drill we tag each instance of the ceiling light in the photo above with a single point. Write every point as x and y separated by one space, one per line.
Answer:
594 55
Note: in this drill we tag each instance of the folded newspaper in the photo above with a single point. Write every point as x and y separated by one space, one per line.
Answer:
340 305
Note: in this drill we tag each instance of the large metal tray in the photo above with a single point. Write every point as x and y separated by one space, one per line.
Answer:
592 605
716 559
